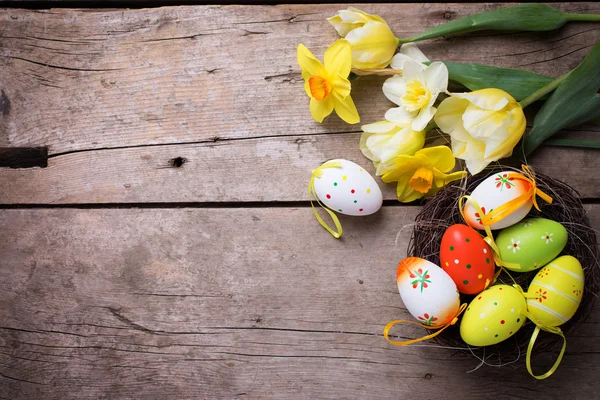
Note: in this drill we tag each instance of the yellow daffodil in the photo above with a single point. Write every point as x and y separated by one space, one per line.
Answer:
415 92
327 84
373 42
383 141
423 174
408 52
485 125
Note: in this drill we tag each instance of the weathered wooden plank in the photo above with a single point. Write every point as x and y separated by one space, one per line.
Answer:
267 169
224 303
87 79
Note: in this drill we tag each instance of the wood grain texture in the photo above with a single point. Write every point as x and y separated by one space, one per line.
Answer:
228 303
91 79
244 170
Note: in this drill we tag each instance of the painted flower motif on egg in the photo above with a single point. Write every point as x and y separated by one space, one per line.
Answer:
428 293
493 316
348 190
467 258
531 244
492 193
555 292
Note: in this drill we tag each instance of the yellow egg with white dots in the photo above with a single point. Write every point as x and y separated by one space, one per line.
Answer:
555 292
494 315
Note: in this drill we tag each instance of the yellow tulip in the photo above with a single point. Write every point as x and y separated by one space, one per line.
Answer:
423 174
373 42
485 125
327 84
383 141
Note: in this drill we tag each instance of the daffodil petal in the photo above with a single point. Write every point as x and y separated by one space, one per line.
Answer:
345 108
422 119
405 193
308 63
342 86
412 70
411 50
449 115
320 109
338 58
440 157
488 99
399 60
400 116
404 165
436 77
394 89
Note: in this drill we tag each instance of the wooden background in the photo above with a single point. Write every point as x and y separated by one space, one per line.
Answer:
168 250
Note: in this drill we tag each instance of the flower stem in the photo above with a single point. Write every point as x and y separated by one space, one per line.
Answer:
543 91
378 71
584 17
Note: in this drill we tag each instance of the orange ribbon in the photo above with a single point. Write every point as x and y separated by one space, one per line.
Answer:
509 207
389 326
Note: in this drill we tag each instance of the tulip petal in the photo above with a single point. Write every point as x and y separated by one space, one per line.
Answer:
320 109
373 45
449 116
340 26
400 116
308 63
436 77
338 58
368 16
411 50
475 165
458 148
345 108
483 124
379 127
488 99
394 89
440 157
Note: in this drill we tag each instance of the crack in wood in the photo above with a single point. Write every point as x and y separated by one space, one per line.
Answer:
61 67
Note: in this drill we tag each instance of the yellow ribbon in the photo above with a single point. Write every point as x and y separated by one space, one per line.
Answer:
317 173
550 329
489 239
389 326
509 207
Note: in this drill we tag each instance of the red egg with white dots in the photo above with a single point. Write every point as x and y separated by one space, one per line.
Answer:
467 258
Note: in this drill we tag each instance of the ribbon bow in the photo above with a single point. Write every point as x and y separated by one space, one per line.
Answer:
317 173
507 208
389 326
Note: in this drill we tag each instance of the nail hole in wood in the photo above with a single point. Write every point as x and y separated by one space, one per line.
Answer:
177 162
23 157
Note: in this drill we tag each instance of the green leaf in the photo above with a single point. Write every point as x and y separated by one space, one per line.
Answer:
590 144
525 17
574 102
517 82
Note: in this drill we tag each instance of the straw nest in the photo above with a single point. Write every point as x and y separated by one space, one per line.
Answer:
442 211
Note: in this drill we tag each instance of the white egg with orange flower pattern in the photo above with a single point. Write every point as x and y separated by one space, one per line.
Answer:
427 292
493 192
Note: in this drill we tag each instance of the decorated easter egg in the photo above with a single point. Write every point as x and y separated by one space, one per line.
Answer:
467 258
555 292
492 193
493 316
531 243
428 293
348 189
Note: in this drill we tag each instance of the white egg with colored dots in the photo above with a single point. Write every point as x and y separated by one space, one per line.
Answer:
349 189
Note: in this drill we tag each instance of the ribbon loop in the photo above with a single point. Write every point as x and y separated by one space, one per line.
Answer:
503 211
317 173
550 329
389 326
